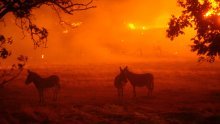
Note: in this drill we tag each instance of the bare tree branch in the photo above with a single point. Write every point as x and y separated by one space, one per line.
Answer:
14 72
22 10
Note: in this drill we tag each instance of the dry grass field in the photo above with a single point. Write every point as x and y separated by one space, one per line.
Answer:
185 93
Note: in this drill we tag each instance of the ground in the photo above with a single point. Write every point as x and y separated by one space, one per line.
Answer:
185 93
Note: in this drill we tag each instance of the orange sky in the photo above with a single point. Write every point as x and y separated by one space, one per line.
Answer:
120 30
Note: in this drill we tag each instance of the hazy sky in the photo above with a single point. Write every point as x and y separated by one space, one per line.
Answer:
117 30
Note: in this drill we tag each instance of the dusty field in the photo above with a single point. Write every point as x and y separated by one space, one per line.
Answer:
184 93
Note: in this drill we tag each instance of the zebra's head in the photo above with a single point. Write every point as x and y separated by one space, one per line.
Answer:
122 75
125 70
29 78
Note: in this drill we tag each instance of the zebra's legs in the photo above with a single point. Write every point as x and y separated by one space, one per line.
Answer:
119 94
122 92
57 89
150 92
41 96
43 101
55 94
134 91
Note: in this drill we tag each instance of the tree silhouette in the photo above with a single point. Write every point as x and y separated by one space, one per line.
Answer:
22 11
204 17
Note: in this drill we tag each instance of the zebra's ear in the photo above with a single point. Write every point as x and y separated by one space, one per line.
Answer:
121 69
126 67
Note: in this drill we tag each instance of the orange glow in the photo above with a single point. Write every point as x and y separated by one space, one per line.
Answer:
104 34
144 28
76 24
131 26
209 13
90 48
213 10
214 3
66 31
42 56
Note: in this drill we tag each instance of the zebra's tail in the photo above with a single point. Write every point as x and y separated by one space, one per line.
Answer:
152 85
58 86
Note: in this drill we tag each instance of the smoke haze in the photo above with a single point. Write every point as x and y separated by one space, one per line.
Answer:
115 31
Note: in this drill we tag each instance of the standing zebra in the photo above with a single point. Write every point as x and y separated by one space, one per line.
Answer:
41 84
140 80
119 82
